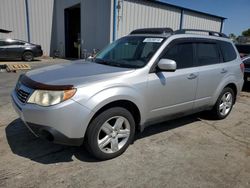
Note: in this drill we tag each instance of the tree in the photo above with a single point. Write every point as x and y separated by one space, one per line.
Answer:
232 36
246 33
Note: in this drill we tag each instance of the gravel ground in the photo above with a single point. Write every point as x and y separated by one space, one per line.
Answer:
189 152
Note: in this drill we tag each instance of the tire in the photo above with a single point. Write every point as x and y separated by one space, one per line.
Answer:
110 133
224 104
28 56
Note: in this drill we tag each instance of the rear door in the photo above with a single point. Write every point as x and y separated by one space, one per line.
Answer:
211 68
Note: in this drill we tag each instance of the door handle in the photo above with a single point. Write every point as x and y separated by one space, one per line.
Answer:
192 76
223 71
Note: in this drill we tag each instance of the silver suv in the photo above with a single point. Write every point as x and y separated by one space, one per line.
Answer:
149 76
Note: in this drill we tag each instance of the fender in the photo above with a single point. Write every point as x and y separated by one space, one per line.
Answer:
230 79
115 93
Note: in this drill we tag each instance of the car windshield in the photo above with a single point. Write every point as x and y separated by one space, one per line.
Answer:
129 52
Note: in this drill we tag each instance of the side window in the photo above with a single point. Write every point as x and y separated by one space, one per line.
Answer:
207 54
228 51
182 54
17 43
3 43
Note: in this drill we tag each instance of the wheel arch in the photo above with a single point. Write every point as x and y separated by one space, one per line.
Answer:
234 88
124 103
231 84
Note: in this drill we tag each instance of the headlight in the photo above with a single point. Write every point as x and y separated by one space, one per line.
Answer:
48 98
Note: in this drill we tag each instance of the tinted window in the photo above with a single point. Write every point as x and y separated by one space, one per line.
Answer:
228 51
3 43
17 43
182 54
207 54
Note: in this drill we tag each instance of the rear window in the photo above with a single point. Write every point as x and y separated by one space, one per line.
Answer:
207 54
228 51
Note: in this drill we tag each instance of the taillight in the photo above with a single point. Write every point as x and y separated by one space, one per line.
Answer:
242 67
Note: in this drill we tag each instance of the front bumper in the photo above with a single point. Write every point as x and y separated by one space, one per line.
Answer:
64 123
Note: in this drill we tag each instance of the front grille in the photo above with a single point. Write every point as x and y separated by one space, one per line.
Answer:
22 95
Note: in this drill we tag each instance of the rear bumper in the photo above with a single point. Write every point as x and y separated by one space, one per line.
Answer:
38 53
64 123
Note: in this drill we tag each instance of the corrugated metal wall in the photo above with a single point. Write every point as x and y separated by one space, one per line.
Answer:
46 20
192 20
40 22
13 18
135 14
140 14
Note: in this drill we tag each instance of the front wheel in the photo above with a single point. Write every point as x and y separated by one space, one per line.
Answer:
110 133
224 104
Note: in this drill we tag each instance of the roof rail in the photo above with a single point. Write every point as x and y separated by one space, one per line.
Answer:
153 31
211 33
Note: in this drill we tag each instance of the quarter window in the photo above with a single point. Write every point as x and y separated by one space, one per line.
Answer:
228 51
207 54
182 54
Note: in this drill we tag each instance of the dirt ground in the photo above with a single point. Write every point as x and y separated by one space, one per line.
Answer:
189 152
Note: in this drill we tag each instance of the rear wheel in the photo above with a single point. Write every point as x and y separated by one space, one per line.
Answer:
110 133
224 104
28 56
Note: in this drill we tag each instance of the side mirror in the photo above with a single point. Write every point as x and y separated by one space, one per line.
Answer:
167 65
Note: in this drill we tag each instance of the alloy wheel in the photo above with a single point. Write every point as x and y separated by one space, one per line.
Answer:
226 104
113 134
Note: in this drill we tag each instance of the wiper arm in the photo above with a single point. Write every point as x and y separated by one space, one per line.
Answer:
107 62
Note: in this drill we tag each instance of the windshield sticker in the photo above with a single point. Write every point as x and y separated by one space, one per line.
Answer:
156 40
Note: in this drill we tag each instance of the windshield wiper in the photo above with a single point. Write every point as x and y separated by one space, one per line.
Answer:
115 63
108 62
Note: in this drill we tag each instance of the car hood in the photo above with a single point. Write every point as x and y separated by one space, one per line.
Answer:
76 73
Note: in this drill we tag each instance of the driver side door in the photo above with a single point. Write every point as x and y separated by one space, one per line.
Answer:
173 93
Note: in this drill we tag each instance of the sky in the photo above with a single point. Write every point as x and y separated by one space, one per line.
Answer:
237 12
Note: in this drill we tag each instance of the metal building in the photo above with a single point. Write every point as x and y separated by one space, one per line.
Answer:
63 25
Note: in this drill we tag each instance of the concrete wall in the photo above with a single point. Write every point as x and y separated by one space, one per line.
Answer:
96 20
58 30
95 24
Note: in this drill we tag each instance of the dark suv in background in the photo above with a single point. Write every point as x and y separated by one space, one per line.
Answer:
243 49
16 49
